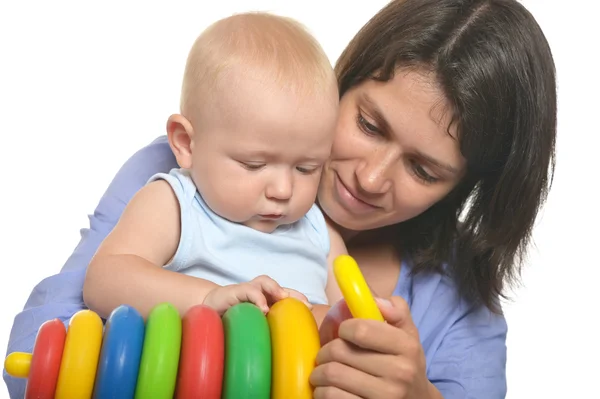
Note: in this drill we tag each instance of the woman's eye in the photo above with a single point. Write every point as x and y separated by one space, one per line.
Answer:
422 174
252 166
366 126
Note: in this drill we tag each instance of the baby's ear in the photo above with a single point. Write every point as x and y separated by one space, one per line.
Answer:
180 133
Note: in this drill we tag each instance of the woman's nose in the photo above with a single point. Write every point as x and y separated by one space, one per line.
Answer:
375 173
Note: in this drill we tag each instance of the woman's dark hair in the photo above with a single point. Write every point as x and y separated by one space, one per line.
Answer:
492 61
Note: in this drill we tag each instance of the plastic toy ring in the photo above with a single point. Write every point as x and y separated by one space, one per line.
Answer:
355 290
247 353
80 356
46 359
120 354
160 355
42 367
200 372
295 343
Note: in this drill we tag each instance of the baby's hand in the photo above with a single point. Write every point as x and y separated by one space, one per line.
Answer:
262 291
300 296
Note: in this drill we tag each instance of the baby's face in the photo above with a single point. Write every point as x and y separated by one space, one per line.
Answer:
258 156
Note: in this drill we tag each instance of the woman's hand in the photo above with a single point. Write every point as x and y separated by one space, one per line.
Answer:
371 359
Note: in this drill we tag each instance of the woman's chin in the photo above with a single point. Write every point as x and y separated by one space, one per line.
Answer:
350 224
344 216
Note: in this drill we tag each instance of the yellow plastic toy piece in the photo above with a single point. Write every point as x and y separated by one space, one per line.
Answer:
80 356
17 364
295 343
355 290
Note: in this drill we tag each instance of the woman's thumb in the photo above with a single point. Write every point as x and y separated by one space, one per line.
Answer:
396 312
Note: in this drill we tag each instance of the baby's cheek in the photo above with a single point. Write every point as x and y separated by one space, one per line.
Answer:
306 195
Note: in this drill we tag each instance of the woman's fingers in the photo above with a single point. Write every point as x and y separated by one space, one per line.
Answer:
372 359
352 381
332 393
396 312
331 323
379 337
373 363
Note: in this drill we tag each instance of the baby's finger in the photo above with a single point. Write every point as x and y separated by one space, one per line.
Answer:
270 287
300 296
250 293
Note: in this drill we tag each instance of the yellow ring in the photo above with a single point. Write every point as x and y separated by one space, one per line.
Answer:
355 290
295 343
80 356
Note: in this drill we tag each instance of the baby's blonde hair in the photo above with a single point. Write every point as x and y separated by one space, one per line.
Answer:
274 48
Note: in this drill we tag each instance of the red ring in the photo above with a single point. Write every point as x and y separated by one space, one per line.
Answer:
45 360
202 354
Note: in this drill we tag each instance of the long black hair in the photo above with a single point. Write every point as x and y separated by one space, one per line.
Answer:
494 64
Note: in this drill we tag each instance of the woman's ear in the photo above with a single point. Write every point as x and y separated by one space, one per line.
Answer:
180 133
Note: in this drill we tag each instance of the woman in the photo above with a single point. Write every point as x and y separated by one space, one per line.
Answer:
443 149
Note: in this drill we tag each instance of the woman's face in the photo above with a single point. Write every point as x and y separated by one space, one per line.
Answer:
392 156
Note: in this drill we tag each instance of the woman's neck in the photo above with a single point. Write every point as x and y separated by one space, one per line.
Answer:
356 238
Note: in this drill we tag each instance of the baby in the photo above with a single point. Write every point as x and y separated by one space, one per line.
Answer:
258 110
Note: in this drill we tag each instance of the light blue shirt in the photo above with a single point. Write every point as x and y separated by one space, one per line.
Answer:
215 249
465 346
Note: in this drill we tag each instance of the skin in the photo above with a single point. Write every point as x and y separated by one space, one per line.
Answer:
255 138
259 139
394 159
385 161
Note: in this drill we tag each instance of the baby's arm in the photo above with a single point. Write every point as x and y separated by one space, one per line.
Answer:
334 294
127 268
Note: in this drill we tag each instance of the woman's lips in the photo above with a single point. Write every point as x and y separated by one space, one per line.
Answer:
349 200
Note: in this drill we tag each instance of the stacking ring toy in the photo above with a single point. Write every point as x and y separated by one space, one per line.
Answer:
42 367
295 343
241 355
80 356
120 354
18 364
160 355
354 288
200 372
247 353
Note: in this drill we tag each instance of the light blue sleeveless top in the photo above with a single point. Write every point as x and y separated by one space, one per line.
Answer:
215 249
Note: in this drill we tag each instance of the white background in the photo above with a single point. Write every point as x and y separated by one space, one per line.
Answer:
83 85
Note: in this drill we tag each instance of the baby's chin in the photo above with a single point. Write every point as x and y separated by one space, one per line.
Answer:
265 226
269 226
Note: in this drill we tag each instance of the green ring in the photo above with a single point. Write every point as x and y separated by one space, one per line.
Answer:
160 355
247 353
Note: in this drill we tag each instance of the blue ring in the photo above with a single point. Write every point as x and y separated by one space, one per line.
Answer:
120 355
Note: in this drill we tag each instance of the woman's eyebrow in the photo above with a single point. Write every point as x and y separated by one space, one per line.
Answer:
437 163
375 111
378 115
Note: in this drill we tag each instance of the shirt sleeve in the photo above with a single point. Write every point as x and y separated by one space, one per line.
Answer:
470 362
60 296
